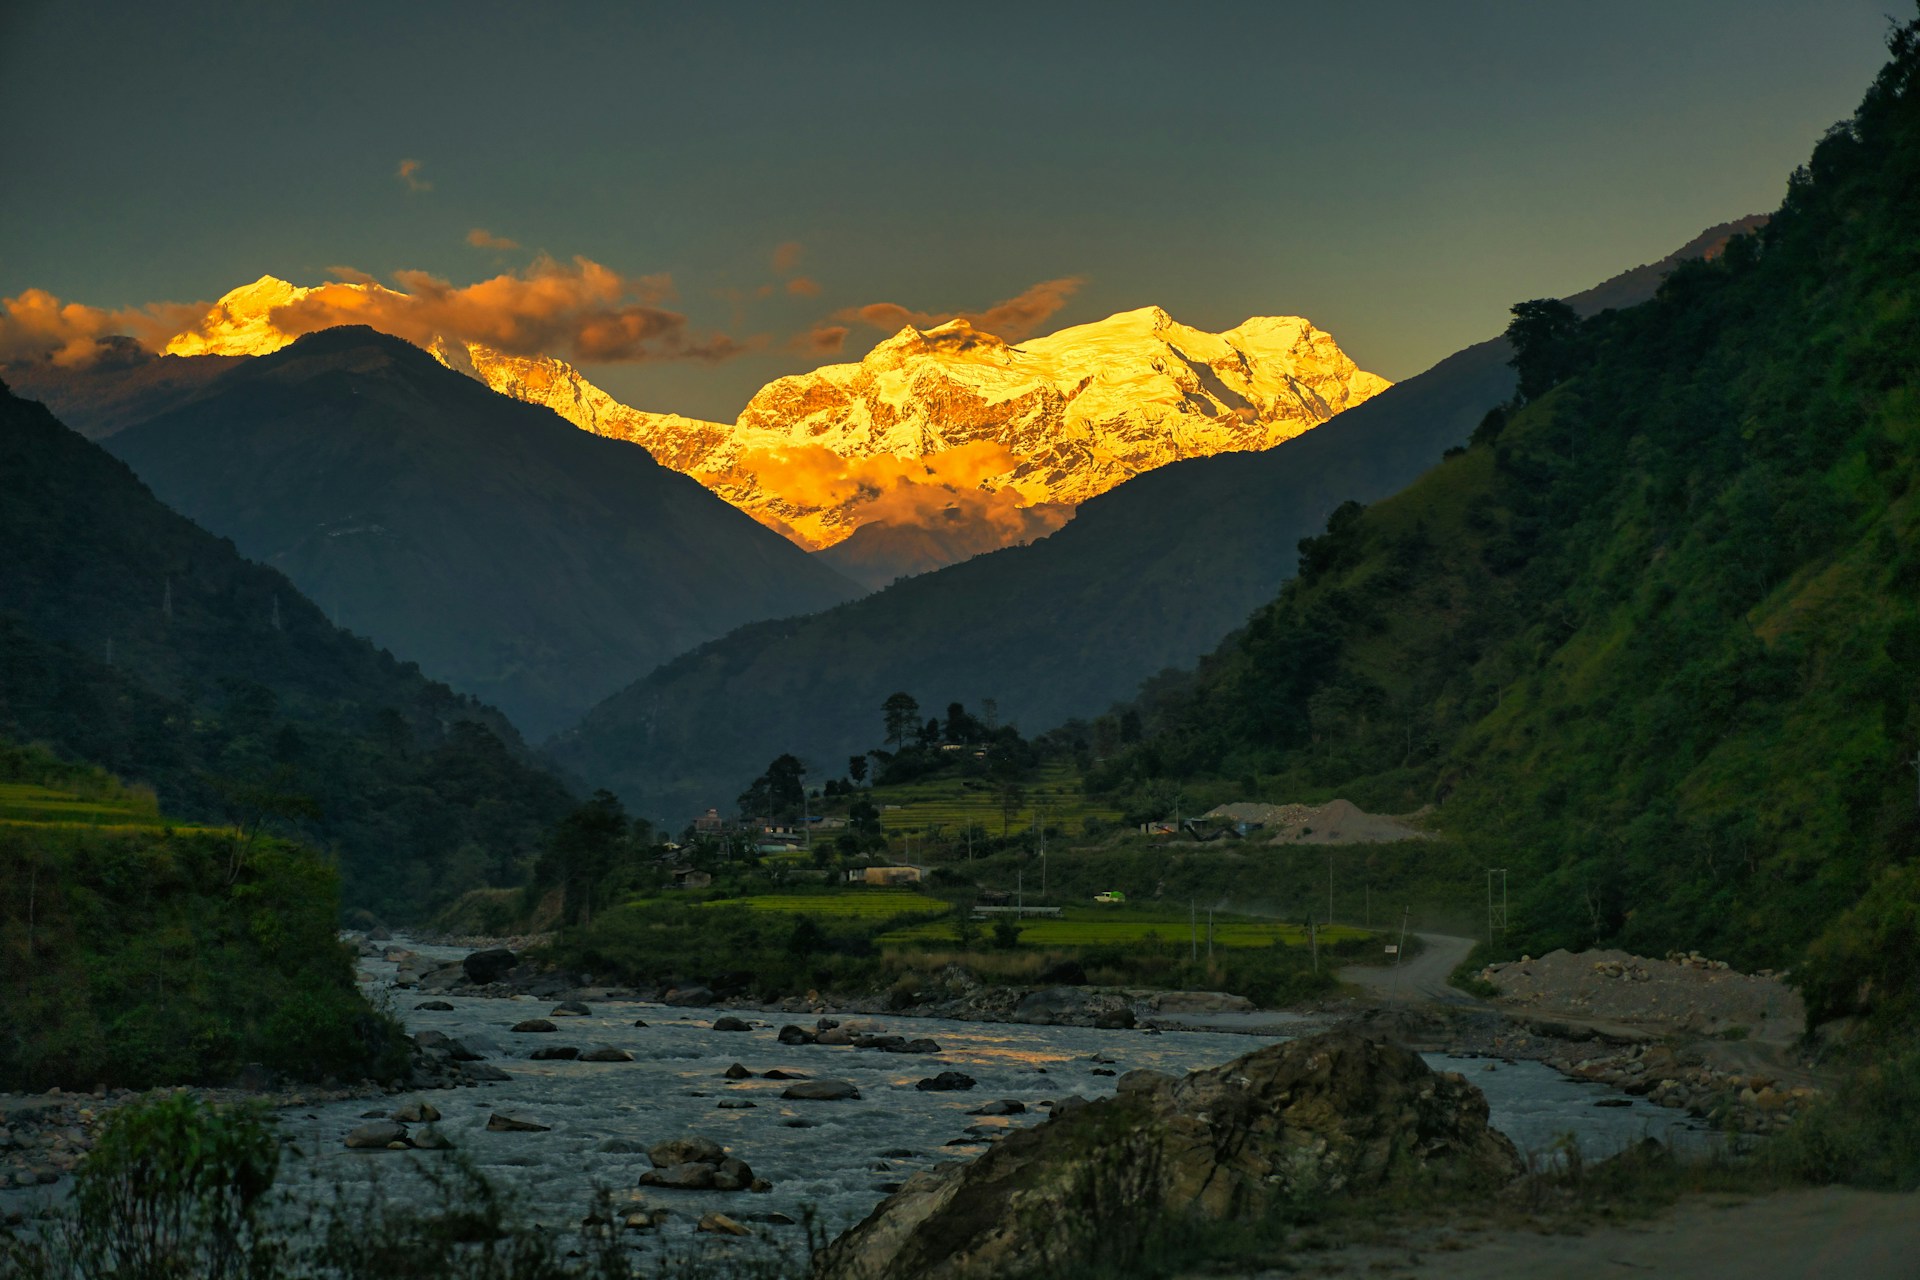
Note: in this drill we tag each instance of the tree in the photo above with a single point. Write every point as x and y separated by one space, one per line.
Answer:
777 793
903 717
1545 334
857 769
583 849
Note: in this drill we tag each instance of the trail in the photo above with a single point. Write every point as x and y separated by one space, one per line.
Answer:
1420 979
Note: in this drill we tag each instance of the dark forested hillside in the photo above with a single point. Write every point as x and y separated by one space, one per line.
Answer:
1651 642
1148 576
529 563
133 639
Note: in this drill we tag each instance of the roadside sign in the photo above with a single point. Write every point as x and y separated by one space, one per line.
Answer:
1392 950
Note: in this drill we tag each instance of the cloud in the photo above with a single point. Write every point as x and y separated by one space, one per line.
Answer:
821 340
786 257
803 287
409 173
36 325
579 310
951 487
481 238
1012 318
352 275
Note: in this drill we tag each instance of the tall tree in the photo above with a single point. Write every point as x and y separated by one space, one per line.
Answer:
903 717
583 849
1545 334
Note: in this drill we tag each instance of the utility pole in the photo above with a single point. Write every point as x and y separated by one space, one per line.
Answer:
1209 935
1313 941
1405 915
1193 931
1496 912
1329 886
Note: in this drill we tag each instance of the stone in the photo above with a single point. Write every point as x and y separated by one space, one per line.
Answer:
431 1139
497 1123
778 1074
736 1104
692 1176
570 1009
688 1150
606 1053
821 1091
485 1072
736 1072
416 1112
834 1036
379 1136
1332 1113
731 1023
721 1224
689 998
919 1046
1121 1019
534 1026
791 1034
483 967
433 1006
620 1147
946 1082
556 1053
1004 1107
639 1022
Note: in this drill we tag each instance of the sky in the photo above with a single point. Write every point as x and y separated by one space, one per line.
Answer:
691 200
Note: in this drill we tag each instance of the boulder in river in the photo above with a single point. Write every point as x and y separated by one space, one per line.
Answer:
821 1091
731 1023
483 967
416 1112
620 1147
689 997
606 1053
1333 1115
378 1136
791 1034
556 1053
570 1009
834 1036
720 1223
725 1174
497 1123
534 1026
433 1006
688 1150
736 1072
485 1072
1004 1107
946 1082
431 1139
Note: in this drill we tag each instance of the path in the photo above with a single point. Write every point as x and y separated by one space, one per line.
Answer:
1422 979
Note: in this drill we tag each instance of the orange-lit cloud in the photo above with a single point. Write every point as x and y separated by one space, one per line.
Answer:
1013 318
945 486
803 287
579 309
481 238
786 257
409 173
36 325
821 340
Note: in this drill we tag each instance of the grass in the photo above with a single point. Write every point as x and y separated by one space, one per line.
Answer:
857 904
31 804
1092 927
946 807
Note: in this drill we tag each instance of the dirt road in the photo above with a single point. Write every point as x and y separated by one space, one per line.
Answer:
1422 979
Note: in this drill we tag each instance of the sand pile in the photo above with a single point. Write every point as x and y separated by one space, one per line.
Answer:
1335 822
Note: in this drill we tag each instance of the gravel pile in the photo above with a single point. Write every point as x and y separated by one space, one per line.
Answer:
1685 992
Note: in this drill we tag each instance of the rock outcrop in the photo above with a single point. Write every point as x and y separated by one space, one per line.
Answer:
1336 1114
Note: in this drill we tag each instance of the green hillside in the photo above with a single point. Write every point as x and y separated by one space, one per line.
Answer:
134 640
1651 641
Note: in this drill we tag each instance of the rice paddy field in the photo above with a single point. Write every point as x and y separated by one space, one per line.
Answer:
854 904
1096 927
30 804
943 808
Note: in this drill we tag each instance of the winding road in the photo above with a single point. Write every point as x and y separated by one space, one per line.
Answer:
1421 979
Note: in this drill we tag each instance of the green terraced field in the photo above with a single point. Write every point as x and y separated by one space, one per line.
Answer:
861 904
950 805
29 804
1078 928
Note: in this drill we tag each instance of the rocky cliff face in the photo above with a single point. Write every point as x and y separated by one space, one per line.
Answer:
1336 1114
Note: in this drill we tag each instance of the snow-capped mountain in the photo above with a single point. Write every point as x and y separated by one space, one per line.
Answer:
948 422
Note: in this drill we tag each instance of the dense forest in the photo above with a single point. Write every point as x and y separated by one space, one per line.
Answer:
134 640
1651 640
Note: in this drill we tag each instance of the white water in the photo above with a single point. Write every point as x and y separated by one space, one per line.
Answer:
827 1156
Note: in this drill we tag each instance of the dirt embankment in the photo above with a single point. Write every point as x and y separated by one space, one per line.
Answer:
1335 822
1683 993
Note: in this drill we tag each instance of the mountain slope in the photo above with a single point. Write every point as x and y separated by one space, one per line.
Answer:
520 559
1148 576
1651 642
133 639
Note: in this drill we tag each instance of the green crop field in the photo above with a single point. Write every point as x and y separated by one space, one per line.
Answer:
1093 928
29 804
943 808
860 904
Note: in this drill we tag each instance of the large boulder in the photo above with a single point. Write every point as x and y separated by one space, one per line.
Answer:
1336 1114
378 1136
483 967
688 1150
822 1091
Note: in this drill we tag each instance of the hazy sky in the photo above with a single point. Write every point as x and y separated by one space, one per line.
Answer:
1398 172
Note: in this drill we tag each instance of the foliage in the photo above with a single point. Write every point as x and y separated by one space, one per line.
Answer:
1648 642
149 956
136 641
